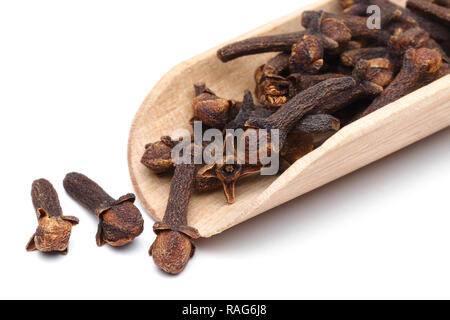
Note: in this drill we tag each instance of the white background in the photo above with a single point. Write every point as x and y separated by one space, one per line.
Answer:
72 76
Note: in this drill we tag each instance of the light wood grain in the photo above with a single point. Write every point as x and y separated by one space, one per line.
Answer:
168 107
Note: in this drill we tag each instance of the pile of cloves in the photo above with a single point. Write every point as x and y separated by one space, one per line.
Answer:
319 79
325 77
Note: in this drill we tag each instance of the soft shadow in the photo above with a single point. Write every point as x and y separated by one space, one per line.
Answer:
292 216
51 256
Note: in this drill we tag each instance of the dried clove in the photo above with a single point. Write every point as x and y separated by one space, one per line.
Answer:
419 69
54 230
210 109
276 43
380 71
173 246
158 155
120 222
228 174
229 171
363 88
331 32
432 10
402 40
308 101
308 54
277 65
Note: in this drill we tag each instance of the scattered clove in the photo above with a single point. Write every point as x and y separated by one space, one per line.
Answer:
54 230
120 222
173 247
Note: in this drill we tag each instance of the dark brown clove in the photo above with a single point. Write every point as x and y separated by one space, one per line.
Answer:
211 110
173 247
331 32
308 101
276 43
158 156
402 40
319 125
380 71
308 54
432 10
120 222
419 66
363 88
54 230
277 65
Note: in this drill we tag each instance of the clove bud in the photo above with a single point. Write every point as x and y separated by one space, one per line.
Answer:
54 230
120 222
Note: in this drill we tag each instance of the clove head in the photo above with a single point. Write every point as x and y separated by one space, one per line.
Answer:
380 71
425 60
210 109
158 156
402 40
172 251
52 234
120 225
271 90
307 55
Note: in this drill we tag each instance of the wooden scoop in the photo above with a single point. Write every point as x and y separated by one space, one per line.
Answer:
169 107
